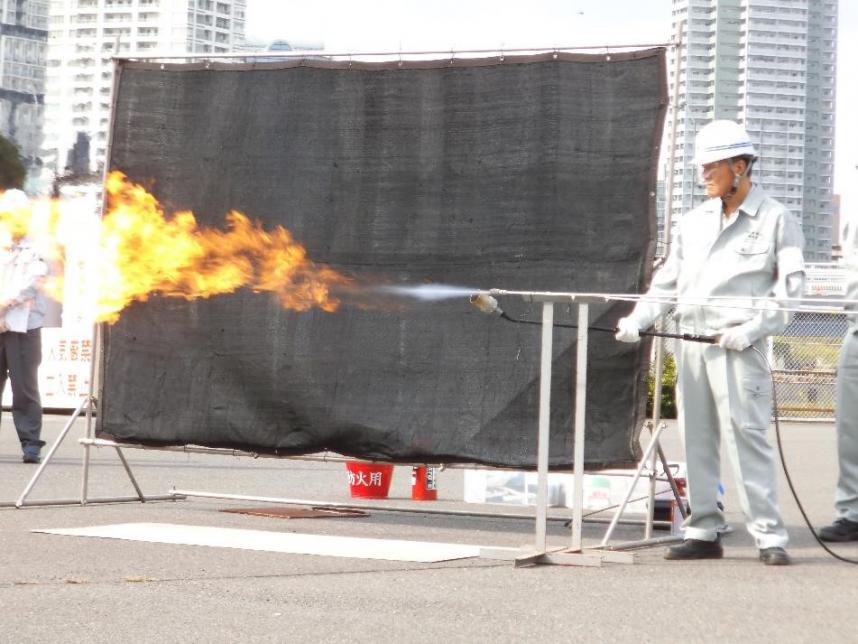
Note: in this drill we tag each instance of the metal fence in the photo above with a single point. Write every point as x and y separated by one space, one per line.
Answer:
804 360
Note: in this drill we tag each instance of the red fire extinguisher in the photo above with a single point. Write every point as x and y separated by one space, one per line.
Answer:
423 486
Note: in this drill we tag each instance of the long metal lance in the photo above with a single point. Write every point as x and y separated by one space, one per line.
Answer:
487 304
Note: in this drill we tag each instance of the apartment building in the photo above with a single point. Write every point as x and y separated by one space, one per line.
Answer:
83 35
23 43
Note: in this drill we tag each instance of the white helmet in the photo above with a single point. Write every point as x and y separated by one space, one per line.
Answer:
720 140
13 199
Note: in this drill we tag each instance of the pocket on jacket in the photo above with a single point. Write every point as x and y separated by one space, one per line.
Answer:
752 248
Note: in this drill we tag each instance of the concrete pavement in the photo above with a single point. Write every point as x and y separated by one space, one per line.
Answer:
73 589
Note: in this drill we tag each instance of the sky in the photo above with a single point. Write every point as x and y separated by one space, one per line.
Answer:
355 26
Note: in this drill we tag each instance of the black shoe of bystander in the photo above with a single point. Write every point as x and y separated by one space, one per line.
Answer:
840 530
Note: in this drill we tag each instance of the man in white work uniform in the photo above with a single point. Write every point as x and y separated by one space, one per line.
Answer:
845 527
738 246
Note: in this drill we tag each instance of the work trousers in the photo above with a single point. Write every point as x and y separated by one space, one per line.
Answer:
728 393
20 356
846 496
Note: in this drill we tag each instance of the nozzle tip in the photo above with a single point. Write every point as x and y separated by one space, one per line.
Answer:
485 303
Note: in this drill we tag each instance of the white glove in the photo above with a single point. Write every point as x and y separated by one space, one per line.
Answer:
734 339
627 330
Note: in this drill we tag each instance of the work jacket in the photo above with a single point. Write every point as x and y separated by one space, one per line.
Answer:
22 271
729 272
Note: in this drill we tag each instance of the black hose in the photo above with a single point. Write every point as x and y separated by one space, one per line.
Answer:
690 337
786 470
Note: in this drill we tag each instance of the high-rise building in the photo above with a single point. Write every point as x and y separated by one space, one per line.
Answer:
85 34
23 42
836 231
770 65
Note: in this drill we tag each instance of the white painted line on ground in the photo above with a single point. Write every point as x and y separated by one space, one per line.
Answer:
286 542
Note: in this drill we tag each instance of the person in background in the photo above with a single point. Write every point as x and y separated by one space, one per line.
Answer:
737 246
22 311
845 527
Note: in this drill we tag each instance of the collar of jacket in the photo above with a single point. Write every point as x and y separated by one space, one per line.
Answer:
750 206
753 200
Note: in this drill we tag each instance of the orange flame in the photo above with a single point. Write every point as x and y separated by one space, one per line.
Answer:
146 252
141 251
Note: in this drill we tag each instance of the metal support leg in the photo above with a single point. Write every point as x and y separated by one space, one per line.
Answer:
650 449
653 478
90 431
51 453
580 418
677 495
130 475
87 454
656 419
543 437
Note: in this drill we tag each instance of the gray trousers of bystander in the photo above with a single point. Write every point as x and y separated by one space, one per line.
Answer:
20 357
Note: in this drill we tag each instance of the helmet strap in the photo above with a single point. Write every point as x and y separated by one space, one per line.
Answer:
737 179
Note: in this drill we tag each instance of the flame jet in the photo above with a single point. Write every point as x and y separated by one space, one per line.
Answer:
139 251
145 252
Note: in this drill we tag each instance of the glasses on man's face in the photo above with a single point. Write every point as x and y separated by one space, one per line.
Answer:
706 170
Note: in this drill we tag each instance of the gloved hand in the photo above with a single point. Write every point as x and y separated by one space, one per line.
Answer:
734 339
627 330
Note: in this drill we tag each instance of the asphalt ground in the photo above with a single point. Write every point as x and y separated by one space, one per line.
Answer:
74 589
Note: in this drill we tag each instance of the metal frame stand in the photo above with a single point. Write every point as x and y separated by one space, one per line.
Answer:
652 450
87 406
648 461
575 554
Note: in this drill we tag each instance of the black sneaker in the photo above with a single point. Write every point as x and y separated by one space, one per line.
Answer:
696 549
840 530
32 454
774 557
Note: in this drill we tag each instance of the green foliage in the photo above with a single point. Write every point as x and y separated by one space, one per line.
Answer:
12 170
806 352
668 388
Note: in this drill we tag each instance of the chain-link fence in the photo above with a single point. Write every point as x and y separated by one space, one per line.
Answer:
804 360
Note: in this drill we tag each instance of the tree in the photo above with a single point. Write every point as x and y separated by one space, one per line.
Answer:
668 388
12 170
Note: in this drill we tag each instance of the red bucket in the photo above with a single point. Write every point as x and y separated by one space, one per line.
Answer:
369 480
